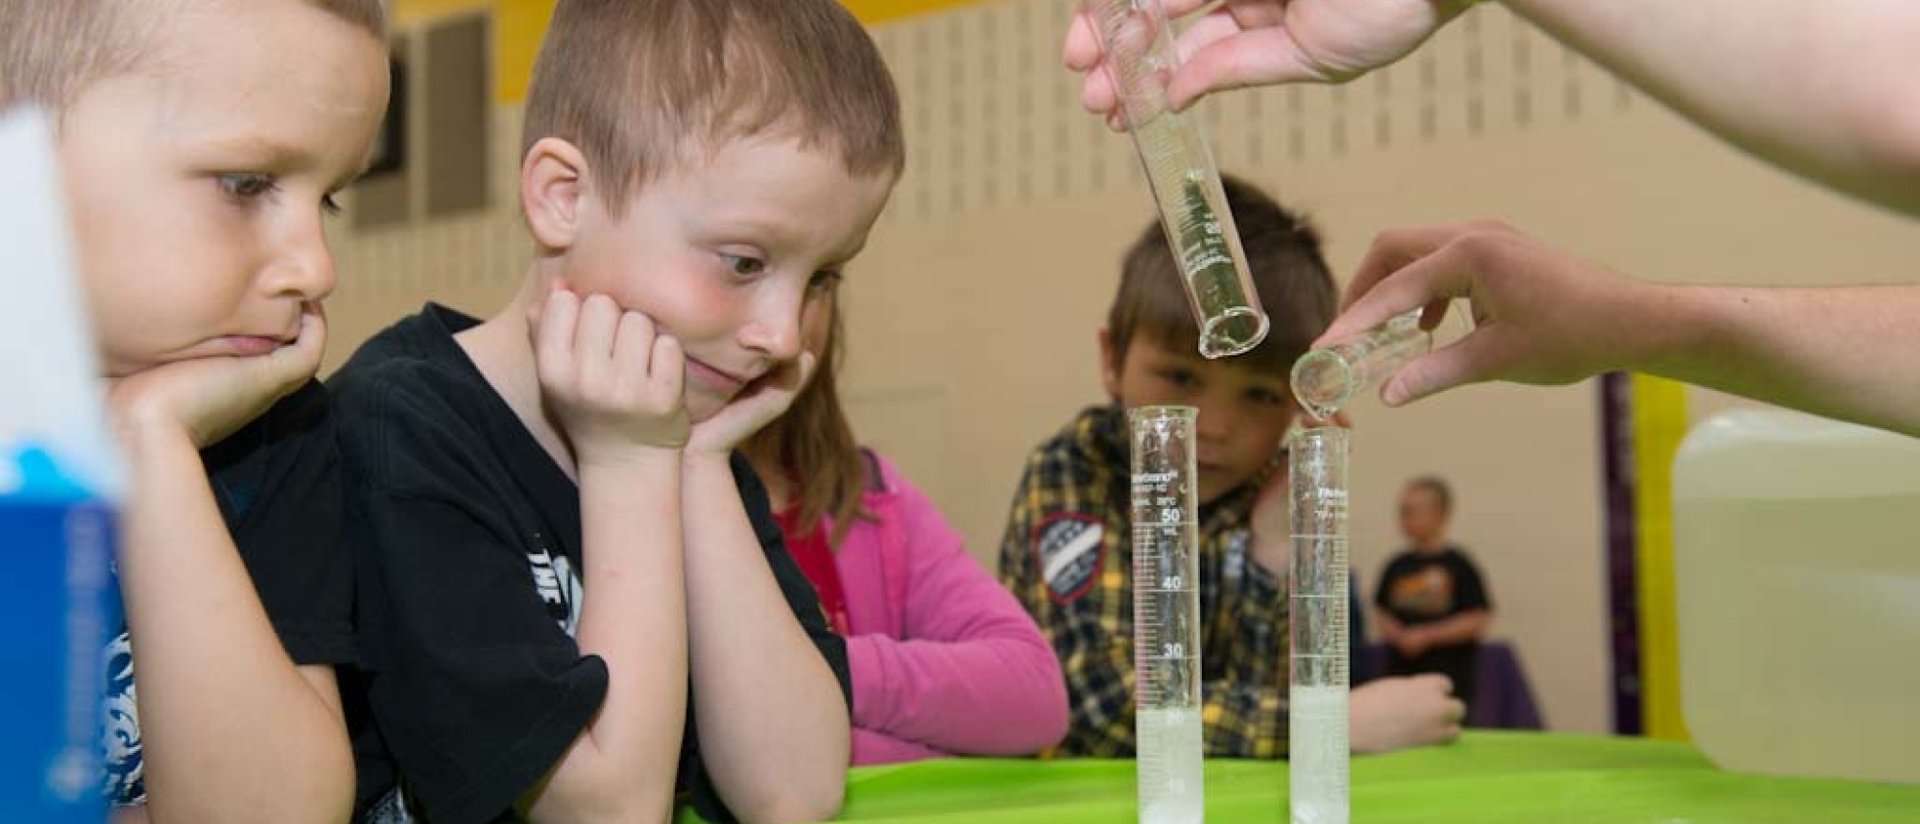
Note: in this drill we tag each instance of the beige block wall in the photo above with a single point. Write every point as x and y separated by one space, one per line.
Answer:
972 316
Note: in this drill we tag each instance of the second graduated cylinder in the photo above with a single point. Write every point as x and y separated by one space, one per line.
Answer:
1317 736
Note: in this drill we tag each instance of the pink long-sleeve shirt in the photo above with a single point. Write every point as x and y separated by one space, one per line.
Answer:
944 660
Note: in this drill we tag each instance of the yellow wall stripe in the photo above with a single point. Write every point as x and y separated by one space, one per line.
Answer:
871 12
408 13
1659 422
518 28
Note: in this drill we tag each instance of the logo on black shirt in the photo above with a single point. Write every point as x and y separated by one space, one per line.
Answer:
558 586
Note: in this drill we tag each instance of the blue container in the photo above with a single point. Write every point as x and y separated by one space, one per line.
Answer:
58 603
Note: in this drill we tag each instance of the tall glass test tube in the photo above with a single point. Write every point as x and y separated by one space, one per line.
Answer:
1166 614
1317 726
1140 59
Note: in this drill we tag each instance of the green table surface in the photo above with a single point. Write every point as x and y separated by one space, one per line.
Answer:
1486 778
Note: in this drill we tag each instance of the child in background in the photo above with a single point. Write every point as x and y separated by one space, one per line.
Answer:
1433 606
1067 553
199 160
554 533
944 661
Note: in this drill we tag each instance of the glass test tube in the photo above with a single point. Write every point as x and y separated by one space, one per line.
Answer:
1317 696
1166 614
1140 59
1325 379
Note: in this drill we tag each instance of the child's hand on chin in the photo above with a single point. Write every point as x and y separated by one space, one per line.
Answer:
610 375
754 408
210 398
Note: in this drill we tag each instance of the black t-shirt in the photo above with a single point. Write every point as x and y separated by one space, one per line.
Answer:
467 538
277 483
1419 588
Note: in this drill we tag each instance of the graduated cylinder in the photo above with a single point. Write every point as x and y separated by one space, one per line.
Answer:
1317 728
1166 614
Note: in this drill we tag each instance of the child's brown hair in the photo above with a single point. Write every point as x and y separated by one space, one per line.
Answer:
1283 251
639 84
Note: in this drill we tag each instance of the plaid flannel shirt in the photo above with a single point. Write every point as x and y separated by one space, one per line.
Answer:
1067 556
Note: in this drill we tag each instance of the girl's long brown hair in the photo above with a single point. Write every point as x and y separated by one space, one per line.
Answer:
813 443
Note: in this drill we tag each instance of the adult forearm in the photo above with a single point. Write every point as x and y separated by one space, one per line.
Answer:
1845 352
1823 89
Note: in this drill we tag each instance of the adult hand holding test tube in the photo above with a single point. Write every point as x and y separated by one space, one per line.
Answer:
1140 59
1248 42
1547 317
1540 315
1552 318
1329 376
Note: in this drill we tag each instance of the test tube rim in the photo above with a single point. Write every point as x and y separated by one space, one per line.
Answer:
1307 361
1162 412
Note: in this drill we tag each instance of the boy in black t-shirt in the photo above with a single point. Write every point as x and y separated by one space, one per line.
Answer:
555 537
1433 606
198 159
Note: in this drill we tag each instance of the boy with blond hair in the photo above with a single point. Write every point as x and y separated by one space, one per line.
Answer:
201 142
555 535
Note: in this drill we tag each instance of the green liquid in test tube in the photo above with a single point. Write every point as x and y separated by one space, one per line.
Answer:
1140 57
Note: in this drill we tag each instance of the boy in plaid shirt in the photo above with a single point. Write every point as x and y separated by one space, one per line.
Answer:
1067 556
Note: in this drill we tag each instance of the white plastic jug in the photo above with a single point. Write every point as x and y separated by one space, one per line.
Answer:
1797 572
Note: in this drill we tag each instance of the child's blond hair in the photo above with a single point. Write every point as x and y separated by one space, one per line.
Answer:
51 50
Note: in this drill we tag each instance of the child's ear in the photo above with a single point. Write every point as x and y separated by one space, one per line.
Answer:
552 191
1109 365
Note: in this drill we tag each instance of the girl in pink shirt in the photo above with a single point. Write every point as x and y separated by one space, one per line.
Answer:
945 661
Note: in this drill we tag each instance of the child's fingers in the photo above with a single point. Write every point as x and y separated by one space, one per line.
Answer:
802 372
312 343
288 367
593 336
633 347
668 366
300 359
553 334
770 396
538 308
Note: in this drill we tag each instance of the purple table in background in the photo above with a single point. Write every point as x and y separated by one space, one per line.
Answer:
1505 700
